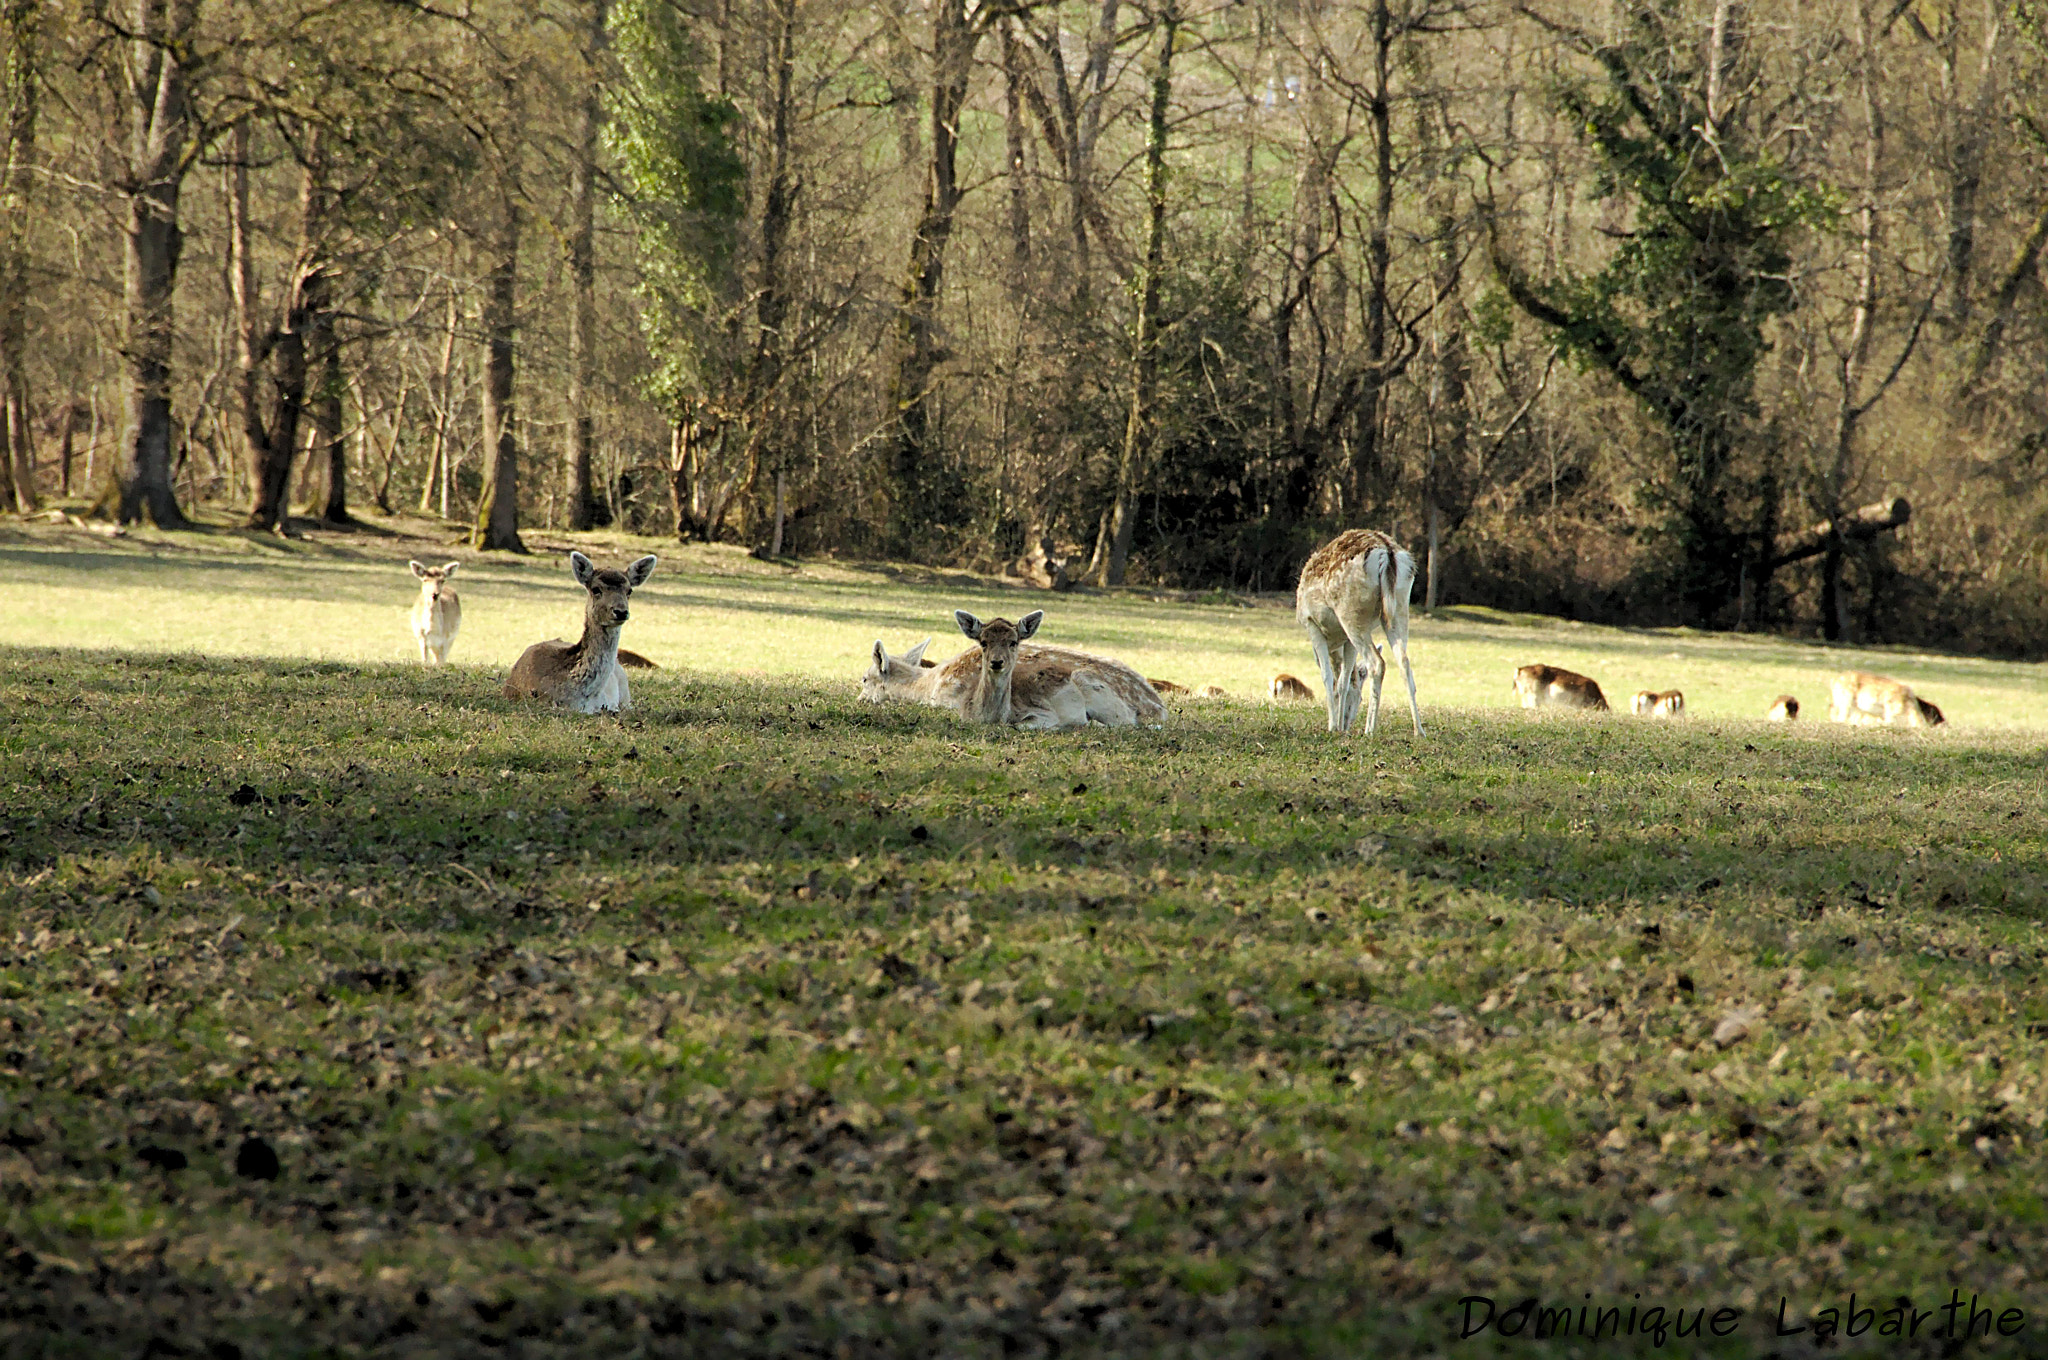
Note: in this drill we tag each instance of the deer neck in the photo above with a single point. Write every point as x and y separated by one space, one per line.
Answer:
990 702
600 645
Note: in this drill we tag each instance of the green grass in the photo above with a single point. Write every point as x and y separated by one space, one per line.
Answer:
766 1022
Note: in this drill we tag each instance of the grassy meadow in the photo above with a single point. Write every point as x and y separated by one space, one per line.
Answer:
348 1010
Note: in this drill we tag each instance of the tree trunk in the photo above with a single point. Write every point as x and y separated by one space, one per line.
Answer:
1849 410
497 517
918 498
1436 536
1367 472
327 427
156 41
582 504
2010 281
22 36
1013 145
761 406
443 395
274 354
1140 430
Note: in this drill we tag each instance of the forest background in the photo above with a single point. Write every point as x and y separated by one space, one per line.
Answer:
1654 312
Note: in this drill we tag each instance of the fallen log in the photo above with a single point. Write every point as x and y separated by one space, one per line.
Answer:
1865 523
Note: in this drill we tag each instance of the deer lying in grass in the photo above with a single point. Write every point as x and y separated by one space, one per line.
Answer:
1285 688
1552 687
1650 703
1165 687
1864 700
1784 708
1212 692
584 676
1001 680
437 614
1358 579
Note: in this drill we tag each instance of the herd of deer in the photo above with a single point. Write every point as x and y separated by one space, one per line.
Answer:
1358 581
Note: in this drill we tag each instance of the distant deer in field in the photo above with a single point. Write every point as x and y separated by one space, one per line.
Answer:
1212 692
1287 689
437 614
1784 708
1865 700
1165 687
1553 687
1004 680
1358 579
1650 703
584 676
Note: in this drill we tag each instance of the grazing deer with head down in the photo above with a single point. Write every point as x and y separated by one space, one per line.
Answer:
1358 579
1650 703
1784 708
1553 687
437 614
1865 700
1004 680
584 676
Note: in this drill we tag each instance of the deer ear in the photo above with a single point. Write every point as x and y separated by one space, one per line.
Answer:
582 568
969 624
916 654
1028 625
881 657
449 570
418 570
638 573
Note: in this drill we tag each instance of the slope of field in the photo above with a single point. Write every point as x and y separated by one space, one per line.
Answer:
347 1009
718 611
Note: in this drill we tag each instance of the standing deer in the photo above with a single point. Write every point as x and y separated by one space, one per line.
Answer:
1358 579
1864 700
437 614
1552 687
1003 680
584 676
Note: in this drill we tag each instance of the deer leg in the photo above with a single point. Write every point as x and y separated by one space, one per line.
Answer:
1408 674
1375 665
1332 683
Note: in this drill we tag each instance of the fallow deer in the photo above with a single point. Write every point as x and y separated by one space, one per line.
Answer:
1003 680
1165 687
584 676
437 614
1784 708
1865 700
1285 688
1650 703
1358 579
1212 692
1551 687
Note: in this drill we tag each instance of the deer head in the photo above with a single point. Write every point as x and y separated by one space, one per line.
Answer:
891 672
433 580
999 640
609 590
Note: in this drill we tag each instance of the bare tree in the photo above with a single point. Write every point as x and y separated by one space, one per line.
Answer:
21 70
1140 431
154 42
